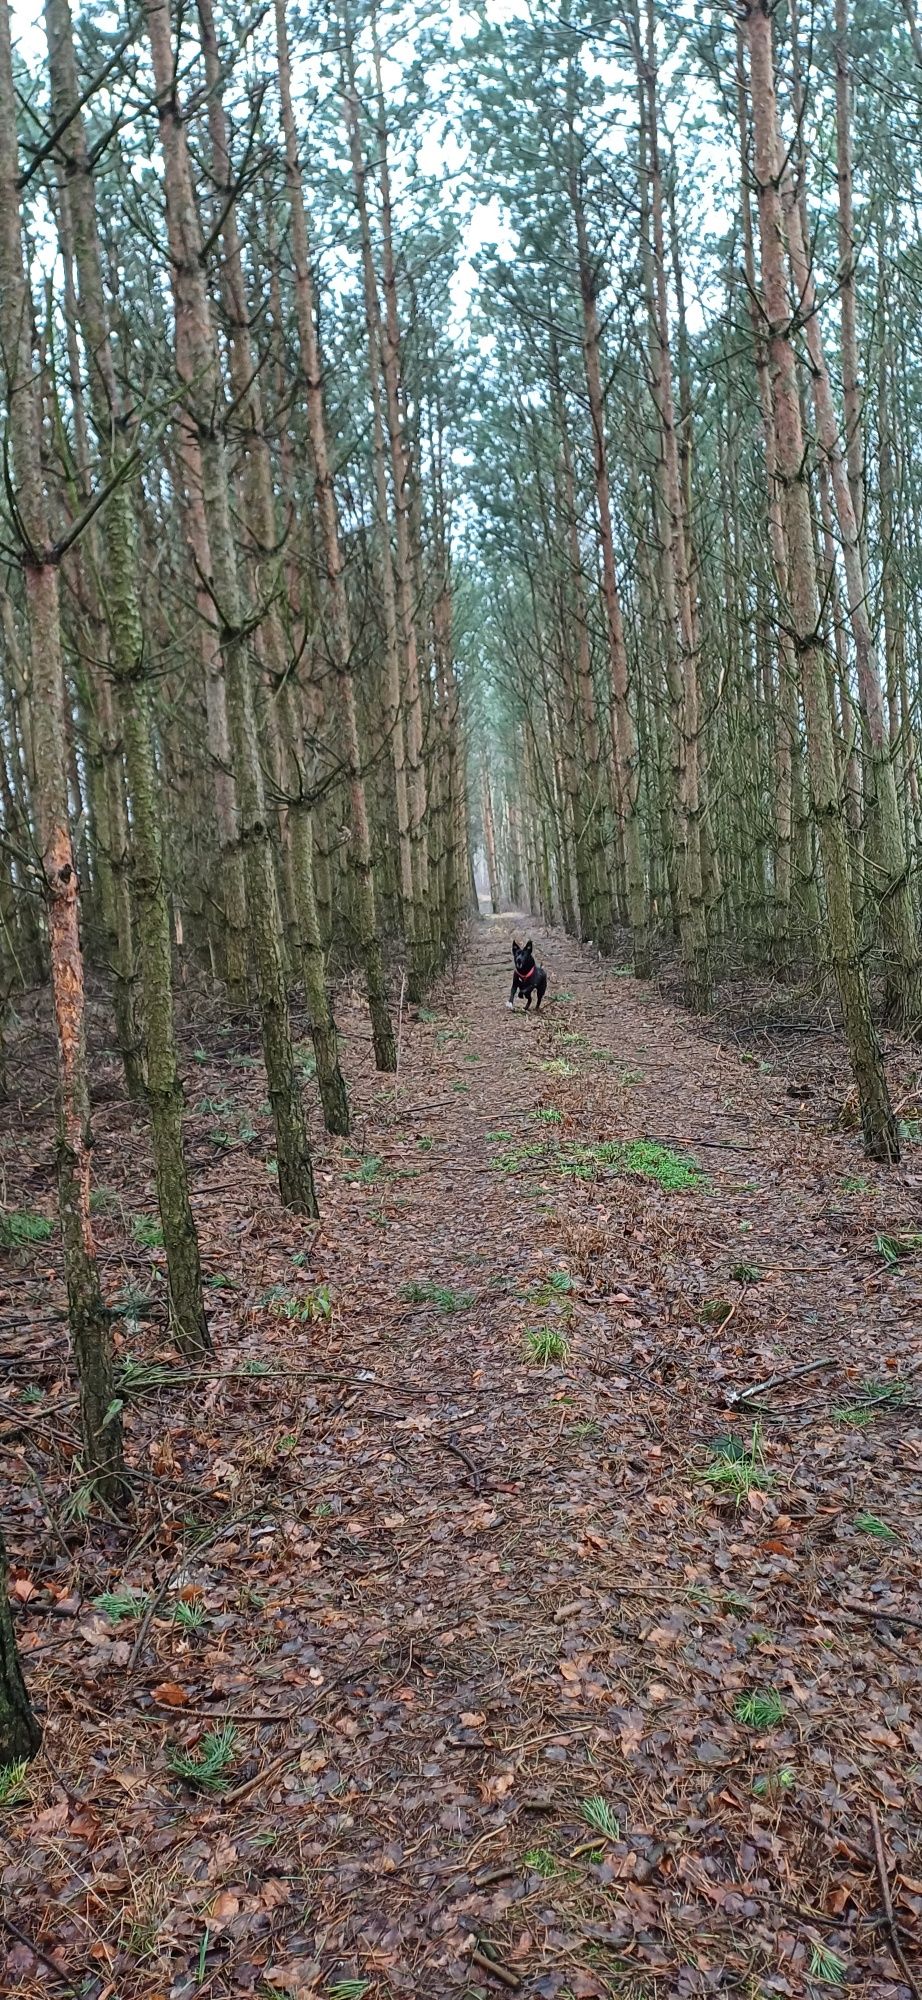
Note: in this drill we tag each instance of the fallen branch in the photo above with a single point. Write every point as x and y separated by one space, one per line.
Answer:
881 1611
881 1862
777 1381
269 1771
288 1757
451 1444
169 1579
496 1966
41 1955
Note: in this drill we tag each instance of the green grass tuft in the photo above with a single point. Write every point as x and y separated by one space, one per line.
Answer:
760 1709
119 1604
19 1226
734 1470
541 1861
875 1396
422 1292
894 1248
147 1232
189 1617
546 1344
14 1790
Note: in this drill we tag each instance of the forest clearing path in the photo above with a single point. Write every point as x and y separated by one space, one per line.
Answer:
461 1605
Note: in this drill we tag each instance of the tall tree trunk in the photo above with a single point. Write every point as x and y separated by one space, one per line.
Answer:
340 634
402 479
202 413
894 892
681 612
123 611
392 646
90 1327
259 509
878 1122
624 734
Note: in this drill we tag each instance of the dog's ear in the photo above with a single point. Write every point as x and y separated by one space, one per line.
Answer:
515 944
528 946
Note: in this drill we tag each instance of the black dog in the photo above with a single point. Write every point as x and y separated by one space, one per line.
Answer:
528 978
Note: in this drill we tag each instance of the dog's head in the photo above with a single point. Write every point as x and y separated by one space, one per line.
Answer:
522 956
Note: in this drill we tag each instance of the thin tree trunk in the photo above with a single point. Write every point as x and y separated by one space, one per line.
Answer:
90 1326
259 508
878 1122
20 1732
402 479
392 646
197 365
340 634
162 1083
681 613
624 734
893 886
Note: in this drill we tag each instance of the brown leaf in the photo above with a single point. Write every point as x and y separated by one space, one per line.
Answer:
170 1694
224 1907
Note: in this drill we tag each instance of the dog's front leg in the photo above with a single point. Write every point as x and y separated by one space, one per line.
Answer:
515 987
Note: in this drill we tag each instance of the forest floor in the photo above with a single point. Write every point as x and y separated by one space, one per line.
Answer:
558 1646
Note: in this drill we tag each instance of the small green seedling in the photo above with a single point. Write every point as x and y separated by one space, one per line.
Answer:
546 1344
746 1274
189 1617
760 1709
875 1396
548 1114
774 1784
541 1861
208 1769
871 1524
734 1470
349 1989
826 1964
598 1814
894 1248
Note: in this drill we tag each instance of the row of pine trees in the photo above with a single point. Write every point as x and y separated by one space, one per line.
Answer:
231 727
704 626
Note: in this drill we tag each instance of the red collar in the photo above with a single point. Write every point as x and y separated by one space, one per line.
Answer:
523 976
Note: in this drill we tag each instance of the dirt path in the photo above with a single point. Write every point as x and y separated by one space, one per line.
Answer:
507 1671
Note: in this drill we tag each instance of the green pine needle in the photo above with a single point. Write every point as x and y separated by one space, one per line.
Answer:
598 1814
207 1771
760 1709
